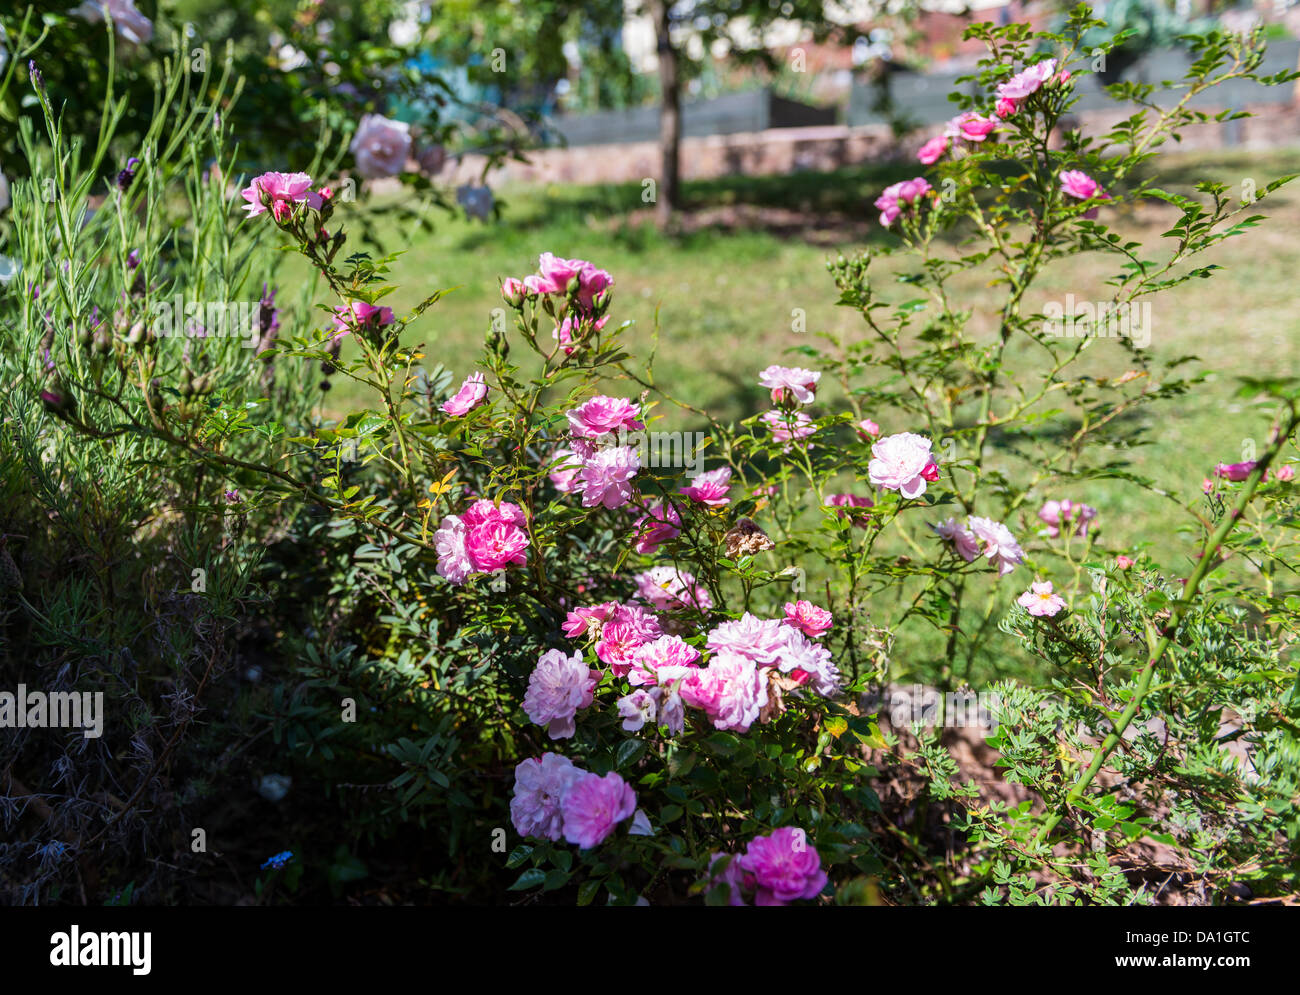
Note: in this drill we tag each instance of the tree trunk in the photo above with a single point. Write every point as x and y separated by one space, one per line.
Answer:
670 118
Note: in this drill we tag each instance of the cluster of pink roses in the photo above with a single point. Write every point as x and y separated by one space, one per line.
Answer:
982 536
1066 514
593 463
898 196
584 285
485 538
776 869
1237 472
554 800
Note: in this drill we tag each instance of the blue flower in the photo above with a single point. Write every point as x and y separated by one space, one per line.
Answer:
279 860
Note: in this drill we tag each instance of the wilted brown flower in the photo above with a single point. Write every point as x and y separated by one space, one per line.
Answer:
745 538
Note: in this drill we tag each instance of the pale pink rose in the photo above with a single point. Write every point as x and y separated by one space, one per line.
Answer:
811 663
933 150
558 686
660 524
566 471
1123 562
129 24
588 621
636 709
564 332
895 197
540 786
972 127
381 146
1040 600
812 621
484 510
472 393
793 381
867 429
449 543
1285 472
998 544
607 477
672 710
359 314
1066 513
762 640
1005 108
962 539
741 693
284 191
785 867
603 415
555 272
668 589
593 806
788 426
1027 81
902 463
662 661
710 488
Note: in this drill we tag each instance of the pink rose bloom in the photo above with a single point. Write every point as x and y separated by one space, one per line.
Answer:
471 394
962 539
999 544
593 806
381 146
792 381
895 197
588 621
805 616
627 630
741 691
495 545
902 463
1005 108
1081 186
449 543
866 429
785 867
603 415
1064 513
555 272
485 510
566 471
284 191
933 150
762 640
710 488
669 589
1123 562
1235 472
1040 600
810 663
1027 81
540 786
786 427
513 291
637 709
972 127
851 501
592 283
359 314
660 524
662 661
558 686
607 477
563 333
1285 473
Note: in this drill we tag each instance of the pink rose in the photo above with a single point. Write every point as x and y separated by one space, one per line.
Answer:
1081 186
710 488
1285 473
788 426
805 616
566 471
962 539
636 709
1057 514
602 416
660 524
972 127
540 786
790 381
843 501
933 150
558 686
762 640
381 146
902 463
471 394
867 429
593 806
999 545
740 691
284 190
1027 81
785 867
894 198
669 589
359 314
493 546
1123 562
607 477
1235 472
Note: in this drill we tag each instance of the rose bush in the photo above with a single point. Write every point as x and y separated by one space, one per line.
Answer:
568 666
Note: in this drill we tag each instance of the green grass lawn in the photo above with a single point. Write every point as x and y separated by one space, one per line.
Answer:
756 248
